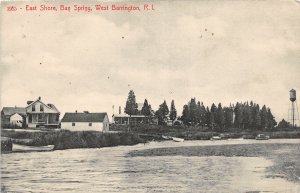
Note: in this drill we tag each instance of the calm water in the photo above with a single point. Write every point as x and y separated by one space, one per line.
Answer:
110 170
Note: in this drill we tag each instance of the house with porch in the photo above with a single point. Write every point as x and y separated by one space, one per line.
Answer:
40 114
138 118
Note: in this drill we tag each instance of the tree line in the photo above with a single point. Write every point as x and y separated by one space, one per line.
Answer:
242 115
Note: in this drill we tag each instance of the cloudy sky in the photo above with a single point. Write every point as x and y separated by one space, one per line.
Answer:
216 51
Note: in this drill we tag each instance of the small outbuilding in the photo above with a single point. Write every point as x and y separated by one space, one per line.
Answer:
85 121
13 117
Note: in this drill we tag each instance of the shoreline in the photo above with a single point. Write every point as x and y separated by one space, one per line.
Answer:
284 156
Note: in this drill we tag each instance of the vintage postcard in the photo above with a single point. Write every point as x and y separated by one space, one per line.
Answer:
150 96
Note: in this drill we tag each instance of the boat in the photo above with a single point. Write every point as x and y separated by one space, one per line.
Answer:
177 139
26 148
262 137
166 137
216 138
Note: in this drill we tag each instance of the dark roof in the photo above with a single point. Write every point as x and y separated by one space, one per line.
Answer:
12 110
53 107
83 117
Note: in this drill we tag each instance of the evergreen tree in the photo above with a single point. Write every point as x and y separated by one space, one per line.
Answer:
131 107
146 110
202 114
162 113
257 118
264 117
185 115
173 112
193 111
283 124
213 112
228 117
207 117
271 120
220 117
238 115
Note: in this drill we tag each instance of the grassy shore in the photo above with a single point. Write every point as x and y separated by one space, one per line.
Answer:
202 133
285 156
64 139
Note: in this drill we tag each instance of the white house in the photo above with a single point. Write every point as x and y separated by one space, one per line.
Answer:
13 117
85 121
40 114
16 120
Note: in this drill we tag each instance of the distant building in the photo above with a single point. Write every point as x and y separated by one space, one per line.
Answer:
40 114
13 117
85 121
124 119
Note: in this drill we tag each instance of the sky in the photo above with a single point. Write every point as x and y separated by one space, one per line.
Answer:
216 51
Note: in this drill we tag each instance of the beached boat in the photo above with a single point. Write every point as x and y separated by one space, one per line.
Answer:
262 137
216 138
26 148
166 137
177 139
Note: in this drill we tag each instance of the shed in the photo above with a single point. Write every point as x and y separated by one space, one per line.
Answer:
85 121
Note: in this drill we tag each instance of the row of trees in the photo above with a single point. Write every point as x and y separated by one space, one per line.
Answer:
163 113
241 115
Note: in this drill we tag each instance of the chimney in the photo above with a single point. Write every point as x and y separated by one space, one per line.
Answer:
39 98
119 109
76 111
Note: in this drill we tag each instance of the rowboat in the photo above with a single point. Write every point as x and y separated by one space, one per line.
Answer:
26 148
177 139
166 137
262 137
216 138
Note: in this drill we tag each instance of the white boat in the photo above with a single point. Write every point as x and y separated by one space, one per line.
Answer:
177 139
166 137
262 137
216 138
26 148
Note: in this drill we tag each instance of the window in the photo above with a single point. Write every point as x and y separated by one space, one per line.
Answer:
42 108
30 118
33 107
73 124
90 124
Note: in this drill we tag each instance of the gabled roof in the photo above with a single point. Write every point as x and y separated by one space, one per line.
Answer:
51 106
13 110
84 117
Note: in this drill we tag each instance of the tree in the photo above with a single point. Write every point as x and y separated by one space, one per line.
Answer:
213 111
264 117
271 120
131 107
202 115
193 111
173 112
238 119
207 117
162 113
283 124
257 118
228 117
220 116
185 115
146 110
